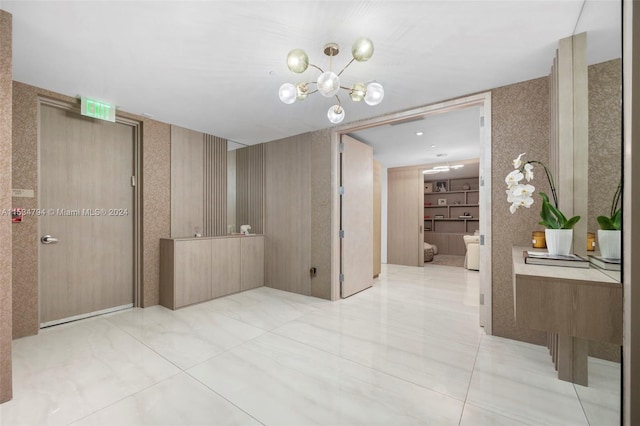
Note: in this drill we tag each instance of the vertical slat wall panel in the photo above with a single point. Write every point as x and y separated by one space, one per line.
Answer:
256 188
215 194
569 144
242 188
231 191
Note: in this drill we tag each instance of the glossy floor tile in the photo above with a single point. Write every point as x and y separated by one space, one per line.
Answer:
409 350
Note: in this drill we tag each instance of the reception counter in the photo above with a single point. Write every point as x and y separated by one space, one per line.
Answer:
194 270
573 305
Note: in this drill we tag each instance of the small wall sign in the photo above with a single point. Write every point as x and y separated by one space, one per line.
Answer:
22 193
97 109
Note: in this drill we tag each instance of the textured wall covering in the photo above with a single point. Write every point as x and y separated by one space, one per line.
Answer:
156 202
25 235
520 123
155 191
5 204
605 138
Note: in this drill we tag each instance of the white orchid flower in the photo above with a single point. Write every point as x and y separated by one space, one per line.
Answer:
513 178
520 201
528 172
518 162
523 190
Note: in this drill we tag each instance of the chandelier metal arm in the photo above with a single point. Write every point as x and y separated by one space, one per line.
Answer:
317 67
345 67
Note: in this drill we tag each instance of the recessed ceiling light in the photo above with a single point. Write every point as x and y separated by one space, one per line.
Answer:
441 168
433 146
430 172
419 133
457 166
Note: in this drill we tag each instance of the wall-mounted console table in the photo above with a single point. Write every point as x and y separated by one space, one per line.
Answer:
194 270
572 305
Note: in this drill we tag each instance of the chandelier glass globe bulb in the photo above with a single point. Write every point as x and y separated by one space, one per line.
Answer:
357 92
297 61
328 84
362 49
335 114
375 94
288 93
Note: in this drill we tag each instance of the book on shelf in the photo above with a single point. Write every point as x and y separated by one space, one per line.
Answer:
465 217
540 258
604 263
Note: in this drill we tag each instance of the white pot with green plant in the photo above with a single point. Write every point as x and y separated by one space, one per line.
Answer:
559 229
609 234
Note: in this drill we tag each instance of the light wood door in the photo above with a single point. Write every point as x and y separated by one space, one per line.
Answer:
356 216
87 203
405 218
252 258
192 268
224 264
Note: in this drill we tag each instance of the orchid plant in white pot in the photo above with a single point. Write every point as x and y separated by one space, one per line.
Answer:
609 234
559 229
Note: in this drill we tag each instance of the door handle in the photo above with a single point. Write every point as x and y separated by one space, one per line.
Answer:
48 239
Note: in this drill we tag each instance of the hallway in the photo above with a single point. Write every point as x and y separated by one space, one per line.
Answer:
407 351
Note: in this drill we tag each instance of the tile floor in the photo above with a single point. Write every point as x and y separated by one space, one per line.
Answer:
407 351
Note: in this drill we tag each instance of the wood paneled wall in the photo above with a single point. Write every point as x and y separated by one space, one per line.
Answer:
198 184
187 182
250 188
288 214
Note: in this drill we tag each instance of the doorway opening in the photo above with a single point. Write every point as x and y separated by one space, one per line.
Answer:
481 102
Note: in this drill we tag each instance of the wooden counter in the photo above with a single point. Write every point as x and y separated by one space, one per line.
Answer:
573 305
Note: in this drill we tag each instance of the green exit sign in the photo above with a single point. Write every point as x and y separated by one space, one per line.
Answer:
97 109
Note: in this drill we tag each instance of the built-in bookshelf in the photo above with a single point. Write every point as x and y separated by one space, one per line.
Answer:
451 210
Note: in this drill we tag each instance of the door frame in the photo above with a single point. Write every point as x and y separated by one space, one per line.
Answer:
137 194
482 100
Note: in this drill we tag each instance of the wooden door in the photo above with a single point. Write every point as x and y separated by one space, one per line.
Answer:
405 218
87 201
356 216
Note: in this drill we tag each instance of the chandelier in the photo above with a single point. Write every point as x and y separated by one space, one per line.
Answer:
328 83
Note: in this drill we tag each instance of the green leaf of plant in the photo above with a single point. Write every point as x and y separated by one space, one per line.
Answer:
569 224
617 220
605 222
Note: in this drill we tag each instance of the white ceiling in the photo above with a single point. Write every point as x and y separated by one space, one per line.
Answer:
216 66
446 138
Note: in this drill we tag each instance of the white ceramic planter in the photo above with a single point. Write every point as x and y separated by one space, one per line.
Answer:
558 240
609 242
